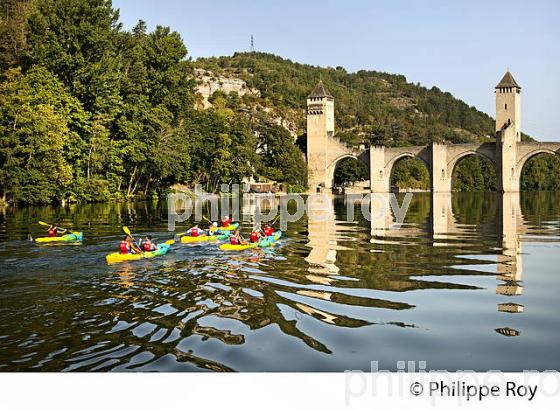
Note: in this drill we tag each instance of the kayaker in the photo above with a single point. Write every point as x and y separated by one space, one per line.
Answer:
268 230
237 239
196 231
213 229
226 221
55 231
256 234
127 245
148 245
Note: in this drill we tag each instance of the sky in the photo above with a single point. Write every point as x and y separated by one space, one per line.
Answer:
463 47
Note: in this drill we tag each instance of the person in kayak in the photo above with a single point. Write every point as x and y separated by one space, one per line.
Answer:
127 245
213 229
227 221
237 239
148 245
56 231
196 231
268 230
255 236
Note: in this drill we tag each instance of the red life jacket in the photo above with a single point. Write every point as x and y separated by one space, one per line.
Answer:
194 232
226 222
147 246
123 247
254 237
233 240
52 232
268 231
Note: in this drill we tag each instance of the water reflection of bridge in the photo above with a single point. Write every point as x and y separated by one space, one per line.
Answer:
445 230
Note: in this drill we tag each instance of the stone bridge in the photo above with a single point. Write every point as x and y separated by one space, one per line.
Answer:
508 154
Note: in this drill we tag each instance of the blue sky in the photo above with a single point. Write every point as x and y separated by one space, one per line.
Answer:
463 47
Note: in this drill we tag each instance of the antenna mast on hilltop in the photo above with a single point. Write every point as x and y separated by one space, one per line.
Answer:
252 44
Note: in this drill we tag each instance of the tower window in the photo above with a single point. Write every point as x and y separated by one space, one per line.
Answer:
506 106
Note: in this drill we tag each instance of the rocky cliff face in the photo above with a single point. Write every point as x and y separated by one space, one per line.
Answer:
208 83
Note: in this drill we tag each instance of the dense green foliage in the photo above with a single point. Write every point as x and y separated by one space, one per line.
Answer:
89 111
474 174
281 158
540 173
350 170
371 106
410 173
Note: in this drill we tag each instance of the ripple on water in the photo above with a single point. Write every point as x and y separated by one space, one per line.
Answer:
327 299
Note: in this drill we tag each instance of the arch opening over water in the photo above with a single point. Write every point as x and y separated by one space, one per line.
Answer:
540 171
409 173
473 172
348 170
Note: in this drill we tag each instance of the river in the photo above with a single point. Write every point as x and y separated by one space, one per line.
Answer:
469 281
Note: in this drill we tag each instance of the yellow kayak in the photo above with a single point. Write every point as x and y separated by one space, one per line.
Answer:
205 238
122 257
230 227
195 239
71 237
230 247
263 243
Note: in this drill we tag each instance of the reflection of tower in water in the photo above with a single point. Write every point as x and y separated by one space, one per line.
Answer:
509 265
442 220
380 216
321 229
509 260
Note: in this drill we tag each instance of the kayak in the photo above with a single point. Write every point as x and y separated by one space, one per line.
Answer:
230 227
71 237
205 238
269 241
115 257
230 247
265 243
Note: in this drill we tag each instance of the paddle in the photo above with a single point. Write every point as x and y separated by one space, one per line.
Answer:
48 224
66 231
126 230
178 235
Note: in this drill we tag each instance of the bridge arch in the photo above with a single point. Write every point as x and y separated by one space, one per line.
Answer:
392 164
331 168
523 160
406 154
452 163
489 179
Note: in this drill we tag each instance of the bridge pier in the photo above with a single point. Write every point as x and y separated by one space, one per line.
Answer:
507 173
440 175
379 175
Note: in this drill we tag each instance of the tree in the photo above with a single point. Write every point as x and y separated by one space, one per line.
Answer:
350 170
39 133
410 173
282 161
13 33
474 174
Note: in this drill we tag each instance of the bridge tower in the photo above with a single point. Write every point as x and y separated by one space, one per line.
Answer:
508 105
508 132
320 127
